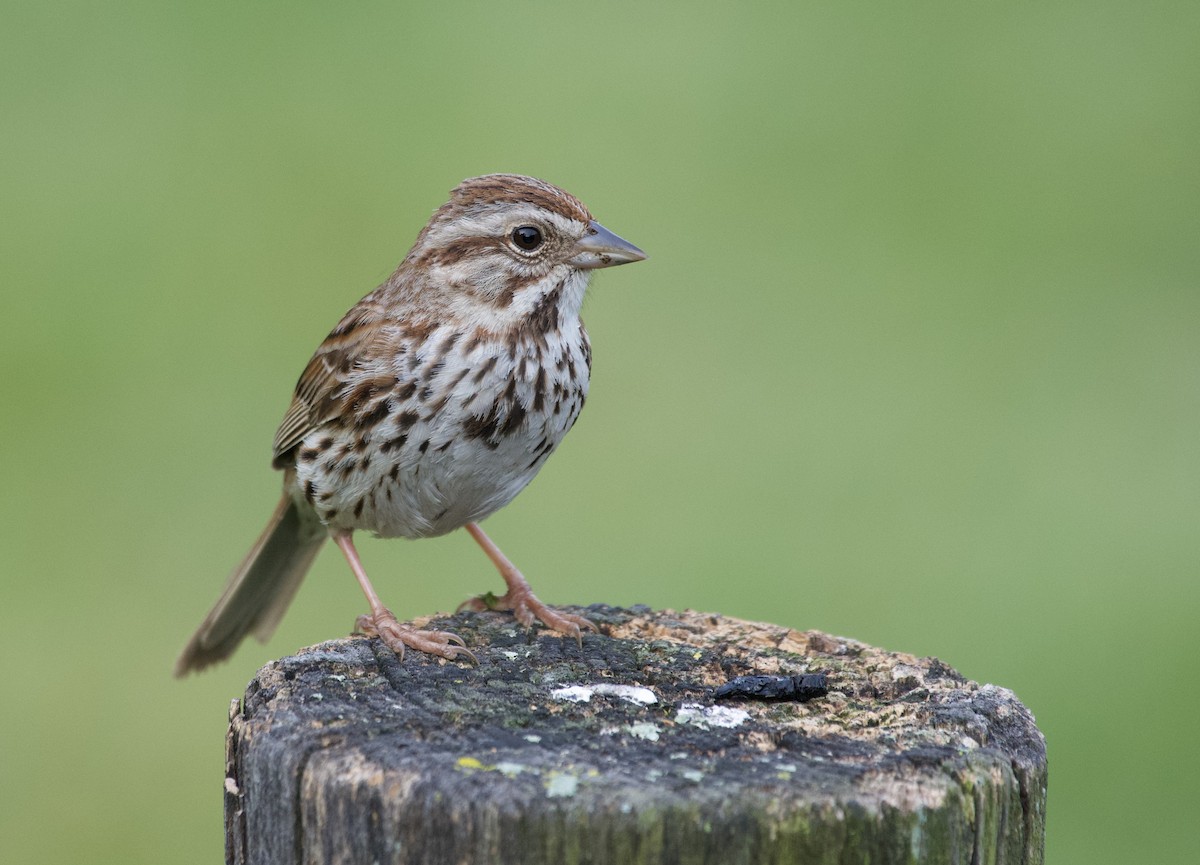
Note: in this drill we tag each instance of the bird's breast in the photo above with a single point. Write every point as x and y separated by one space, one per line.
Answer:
450 430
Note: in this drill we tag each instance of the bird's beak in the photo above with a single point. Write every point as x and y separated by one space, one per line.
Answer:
601 248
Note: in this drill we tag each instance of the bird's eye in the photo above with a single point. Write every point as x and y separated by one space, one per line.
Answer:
527 237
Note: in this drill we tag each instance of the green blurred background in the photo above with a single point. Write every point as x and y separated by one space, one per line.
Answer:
915 358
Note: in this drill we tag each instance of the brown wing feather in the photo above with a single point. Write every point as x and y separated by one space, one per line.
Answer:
314 403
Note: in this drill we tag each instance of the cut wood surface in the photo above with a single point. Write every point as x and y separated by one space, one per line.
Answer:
616 751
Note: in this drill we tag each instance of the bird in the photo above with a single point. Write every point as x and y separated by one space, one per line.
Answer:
434 401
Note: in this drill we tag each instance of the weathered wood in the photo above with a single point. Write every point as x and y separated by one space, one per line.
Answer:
343 753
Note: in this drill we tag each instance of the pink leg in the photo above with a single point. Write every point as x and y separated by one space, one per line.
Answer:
381 623
520 598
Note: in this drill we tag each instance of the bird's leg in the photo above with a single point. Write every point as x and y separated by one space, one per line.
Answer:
380 622
520 598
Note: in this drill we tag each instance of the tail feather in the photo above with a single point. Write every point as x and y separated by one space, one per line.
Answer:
260 588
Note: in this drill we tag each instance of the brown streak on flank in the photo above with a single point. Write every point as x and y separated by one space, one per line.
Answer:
516 415
543 451
325 443
358 508
310 492
484 369
308 454
394 444
477 338
406 419
406 390
483 427
395 472
376 415
436 408
447 344
539 389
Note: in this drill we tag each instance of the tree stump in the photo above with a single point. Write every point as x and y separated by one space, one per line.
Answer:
617 751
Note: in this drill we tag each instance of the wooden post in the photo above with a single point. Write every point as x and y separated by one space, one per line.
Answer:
618 752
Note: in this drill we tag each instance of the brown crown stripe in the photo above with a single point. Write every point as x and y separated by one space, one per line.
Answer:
517 189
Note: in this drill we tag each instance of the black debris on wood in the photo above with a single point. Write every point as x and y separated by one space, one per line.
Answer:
802 688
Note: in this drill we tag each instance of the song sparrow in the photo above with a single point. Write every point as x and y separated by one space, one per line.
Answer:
435 400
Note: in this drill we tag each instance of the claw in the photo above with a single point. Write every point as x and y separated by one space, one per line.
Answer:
395 636
528 610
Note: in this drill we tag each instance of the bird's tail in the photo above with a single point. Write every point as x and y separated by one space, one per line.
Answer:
260 589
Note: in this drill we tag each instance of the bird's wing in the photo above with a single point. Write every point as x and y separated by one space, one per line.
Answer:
316 402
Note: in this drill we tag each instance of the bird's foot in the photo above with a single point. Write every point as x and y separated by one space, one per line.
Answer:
525 605
385 626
